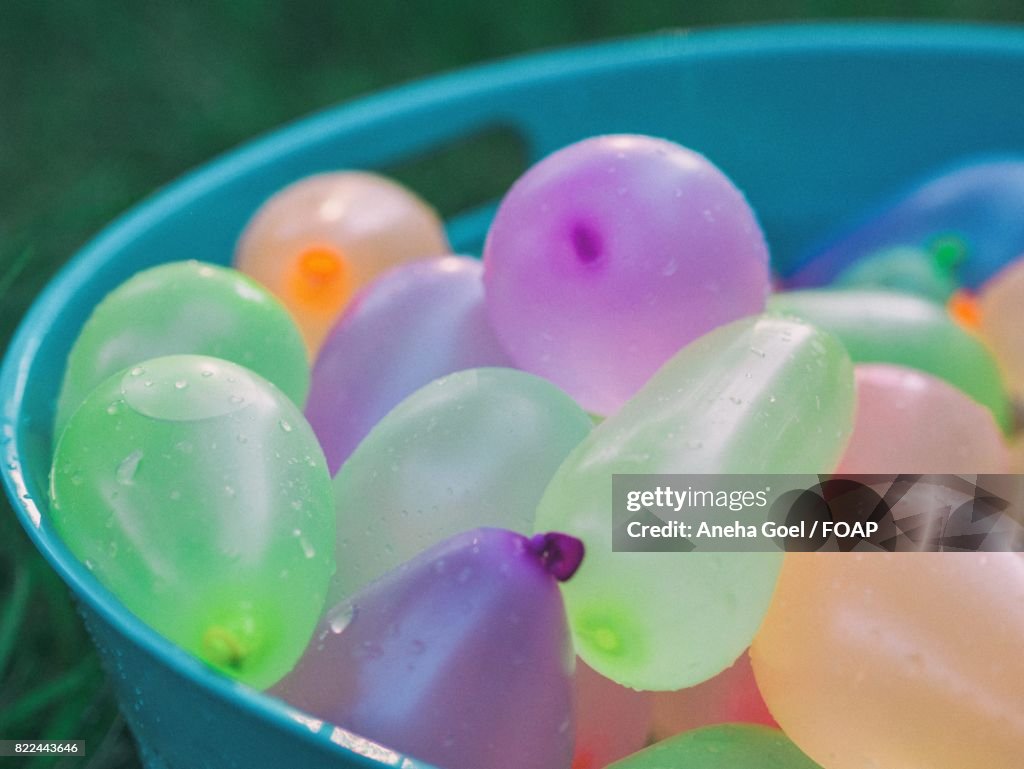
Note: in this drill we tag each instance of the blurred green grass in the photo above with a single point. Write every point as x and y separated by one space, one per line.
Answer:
104 102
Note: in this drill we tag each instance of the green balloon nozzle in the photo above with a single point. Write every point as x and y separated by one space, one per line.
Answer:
948 251
223 648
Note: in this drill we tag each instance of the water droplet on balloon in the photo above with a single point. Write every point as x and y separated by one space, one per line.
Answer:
340 616
127 469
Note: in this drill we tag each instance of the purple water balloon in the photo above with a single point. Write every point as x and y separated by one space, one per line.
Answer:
412 325
460 657
608 256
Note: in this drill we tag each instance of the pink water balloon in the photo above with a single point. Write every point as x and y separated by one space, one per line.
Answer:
730 697
612 721
608 256
911 422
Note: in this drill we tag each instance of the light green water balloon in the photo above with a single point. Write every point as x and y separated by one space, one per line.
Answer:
197 493
760 395
186 307
888 327
725 746
476 448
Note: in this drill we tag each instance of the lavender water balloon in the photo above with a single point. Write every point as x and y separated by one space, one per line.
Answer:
610 255
460 657
415 324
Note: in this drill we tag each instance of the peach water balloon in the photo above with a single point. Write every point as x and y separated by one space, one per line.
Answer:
460 657
417 323
759 395
730 697
476 448
727 746
612 721
889 327
897 659
609 255
1001 311
185 307
194 490
321 238
976 206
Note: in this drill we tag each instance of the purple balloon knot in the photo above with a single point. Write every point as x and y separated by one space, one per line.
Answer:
559 554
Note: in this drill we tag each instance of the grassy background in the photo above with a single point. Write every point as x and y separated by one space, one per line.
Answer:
104 102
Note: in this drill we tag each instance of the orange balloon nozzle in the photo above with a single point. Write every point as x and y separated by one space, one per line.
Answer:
965 309
320 279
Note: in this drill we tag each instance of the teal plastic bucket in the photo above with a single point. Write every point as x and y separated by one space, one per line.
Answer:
813 122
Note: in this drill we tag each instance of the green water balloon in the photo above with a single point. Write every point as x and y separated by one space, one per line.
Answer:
912 270
889 327
725 746
196 492
476 448
760 395
186 307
